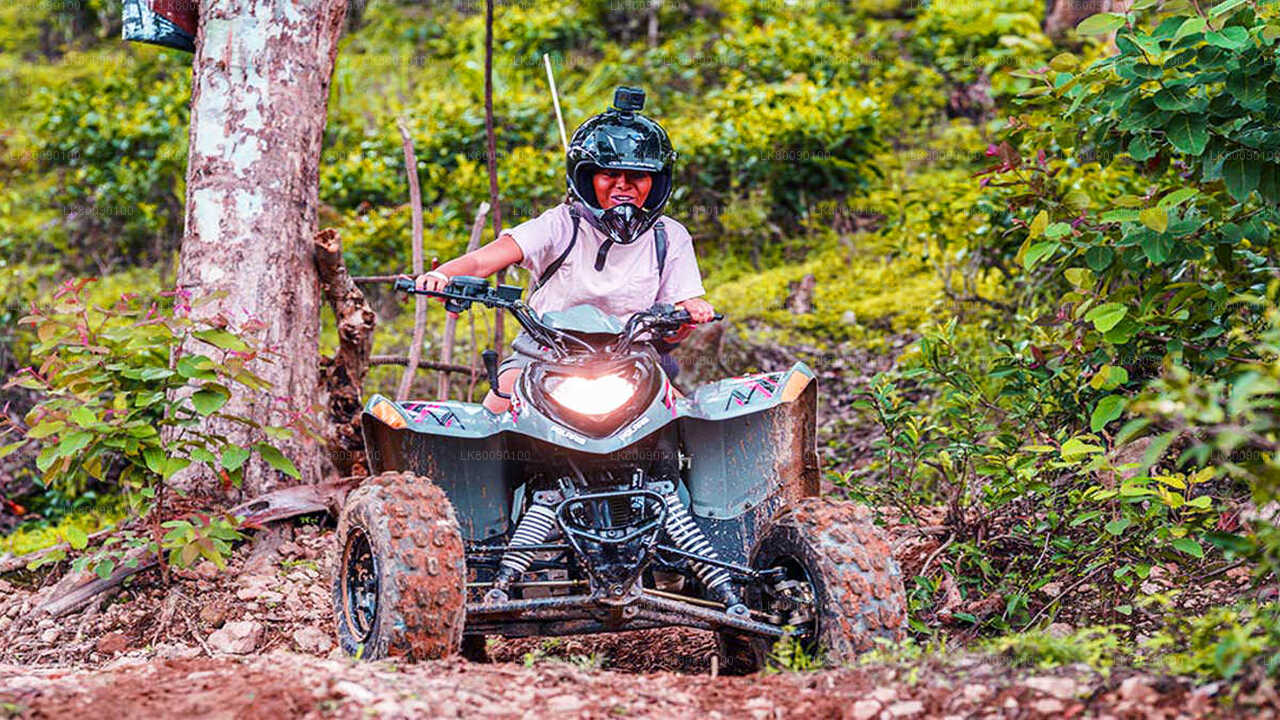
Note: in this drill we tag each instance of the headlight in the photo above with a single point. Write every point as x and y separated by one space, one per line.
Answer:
590 395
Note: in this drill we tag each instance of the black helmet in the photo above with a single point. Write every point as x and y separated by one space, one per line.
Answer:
620 139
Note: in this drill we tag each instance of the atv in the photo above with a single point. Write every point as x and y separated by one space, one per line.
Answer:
605 500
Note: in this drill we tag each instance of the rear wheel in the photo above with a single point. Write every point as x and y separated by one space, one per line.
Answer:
400 577
841 591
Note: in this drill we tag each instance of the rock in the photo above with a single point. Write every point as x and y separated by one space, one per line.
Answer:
564 704
358 693
312 640
1048 706
290 549
1060 630
906 708
883 694
1058 687
865 709
113 643
1136 690
49 636
207 570
975 693
238 638
213 615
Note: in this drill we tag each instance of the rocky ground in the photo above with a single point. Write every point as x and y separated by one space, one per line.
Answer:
256 641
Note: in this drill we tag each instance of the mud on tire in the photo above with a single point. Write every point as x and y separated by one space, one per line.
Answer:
399 577
857 586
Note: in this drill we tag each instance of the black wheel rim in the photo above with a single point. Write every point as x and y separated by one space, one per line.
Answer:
360 585
806 633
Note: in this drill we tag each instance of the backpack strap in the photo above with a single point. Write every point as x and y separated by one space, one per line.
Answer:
660 246
554 266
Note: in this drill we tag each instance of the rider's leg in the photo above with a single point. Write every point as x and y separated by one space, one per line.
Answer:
506 381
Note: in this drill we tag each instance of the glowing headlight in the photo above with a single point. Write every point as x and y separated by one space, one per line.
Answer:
590 396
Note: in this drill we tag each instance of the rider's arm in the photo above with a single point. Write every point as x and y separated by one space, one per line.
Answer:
481 262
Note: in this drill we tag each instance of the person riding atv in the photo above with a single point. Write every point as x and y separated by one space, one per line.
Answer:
587 494
625 257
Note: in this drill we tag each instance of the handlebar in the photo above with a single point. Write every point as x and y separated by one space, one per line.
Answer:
464 290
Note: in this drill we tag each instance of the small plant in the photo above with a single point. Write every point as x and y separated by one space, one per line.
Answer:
1097 647
789 655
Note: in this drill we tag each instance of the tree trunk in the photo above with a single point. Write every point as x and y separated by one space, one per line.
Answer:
260 90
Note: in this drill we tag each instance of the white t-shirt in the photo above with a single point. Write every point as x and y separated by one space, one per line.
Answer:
629 281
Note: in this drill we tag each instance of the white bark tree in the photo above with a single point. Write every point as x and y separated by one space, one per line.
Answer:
259 98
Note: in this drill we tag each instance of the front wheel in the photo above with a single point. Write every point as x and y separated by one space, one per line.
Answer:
399 583
842 588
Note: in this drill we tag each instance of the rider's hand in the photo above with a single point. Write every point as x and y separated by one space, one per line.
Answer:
433 281
699 310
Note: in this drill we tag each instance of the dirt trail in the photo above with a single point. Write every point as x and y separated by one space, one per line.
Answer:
256 641
285 684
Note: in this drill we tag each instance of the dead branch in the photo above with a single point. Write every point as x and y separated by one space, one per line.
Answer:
343 374
17 562
424 364
419 301
271 507
451 322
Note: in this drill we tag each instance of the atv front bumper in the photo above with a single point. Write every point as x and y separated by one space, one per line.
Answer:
581 614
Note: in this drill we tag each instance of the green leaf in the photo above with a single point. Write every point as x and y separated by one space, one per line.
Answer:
1177 197
1080 277
1118 526
1155 218
8 450
209 399
73 443
1108 409
1105 316
1188 133
1188 546
1190 26
1038 252
105 568
1076 449
155 459
1100 24
1038 224
276 460
45 429
83 416
75 538
1158 248
1141 148
1241 175
1225 7
233 457
1230 38
196 367
1057 230
1120 215
1099 257
222 339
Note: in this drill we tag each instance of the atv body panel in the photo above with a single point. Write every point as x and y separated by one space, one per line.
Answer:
748 439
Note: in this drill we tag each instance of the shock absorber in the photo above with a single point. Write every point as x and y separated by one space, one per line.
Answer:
688 537
535 527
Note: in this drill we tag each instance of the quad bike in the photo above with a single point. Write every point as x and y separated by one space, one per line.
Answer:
605 500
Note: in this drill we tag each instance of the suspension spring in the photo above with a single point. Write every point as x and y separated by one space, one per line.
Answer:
688 537
534 528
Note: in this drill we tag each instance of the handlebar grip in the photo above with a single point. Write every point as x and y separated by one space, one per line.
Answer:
405 285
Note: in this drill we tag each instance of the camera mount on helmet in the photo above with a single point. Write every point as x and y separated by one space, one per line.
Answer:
620 138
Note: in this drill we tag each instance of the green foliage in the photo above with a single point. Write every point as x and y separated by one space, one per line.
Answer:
120 399
1224 643
789 655
1097 647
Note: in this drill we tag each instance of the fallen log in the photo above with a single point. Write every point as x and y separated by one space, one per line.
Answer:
272 507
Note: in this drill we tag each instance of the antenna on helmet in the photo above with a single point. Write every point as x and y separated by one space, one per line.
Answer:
555 99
